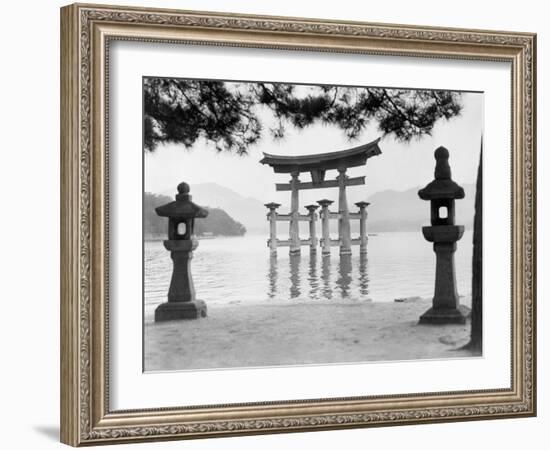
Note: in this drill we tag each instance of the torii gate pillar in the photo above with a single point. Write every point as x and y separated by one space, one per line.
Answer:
294 227
344 229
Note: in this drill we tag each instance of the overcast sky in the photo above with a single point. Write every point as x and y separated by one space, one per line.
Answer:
399 167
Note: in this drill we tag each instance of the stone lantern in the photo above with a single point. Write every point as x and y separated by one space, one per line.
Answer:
442 193
181 242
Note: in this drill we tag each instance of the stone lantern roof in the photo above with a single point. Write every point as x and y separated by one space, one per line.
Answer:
183 207
443 187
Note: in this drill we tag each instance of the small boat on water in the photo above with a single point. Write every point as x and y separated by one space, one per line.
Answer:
206 235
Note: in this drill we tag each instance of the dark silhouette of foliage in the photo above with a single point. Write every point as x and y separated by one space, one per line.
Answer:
182 111
226 113
476 333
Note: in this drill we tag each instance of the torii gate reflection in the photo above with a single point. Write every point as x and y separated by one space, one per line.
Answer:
317 165
304 278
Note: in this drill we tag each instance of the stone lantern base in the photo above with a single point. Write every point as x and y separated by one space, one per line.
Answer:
443 316
180 310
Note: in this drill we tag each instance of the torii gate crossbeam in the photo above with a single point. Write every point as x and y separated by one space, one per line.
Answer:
317 165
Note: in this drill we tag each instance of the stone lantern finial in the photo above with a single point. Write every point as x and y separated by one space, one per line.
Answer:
442 168
183 192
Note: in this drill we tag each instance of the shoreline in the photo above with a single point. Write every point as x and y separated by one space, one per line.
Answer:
260 335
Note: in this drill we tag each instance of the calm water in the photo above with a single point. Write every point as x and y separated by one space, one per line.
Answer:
239 270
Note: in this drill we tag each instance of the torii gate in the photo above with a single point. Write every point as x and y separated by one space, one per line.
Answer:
317 165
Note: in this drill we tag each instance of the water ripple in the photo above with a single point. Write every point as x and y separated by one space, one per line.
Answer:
241 270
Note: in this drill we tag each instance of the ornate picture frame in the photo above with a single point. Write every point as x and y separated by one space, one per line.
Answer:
86 34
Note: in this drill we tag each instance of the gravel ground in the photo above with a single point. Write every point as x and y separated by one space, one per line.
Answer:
297 334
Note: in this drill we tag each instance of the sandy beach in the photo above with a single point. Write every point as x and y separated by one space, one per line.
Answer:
295 334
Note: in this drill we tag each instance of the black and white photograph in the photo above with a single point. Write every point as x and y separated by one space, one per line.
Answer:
294 224
243 225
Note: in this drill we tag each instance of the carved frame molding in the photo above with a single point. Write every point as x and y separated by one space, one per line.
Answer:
86 31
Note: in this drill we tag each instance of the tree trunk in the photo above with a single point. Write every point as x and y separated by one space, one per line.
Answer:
477 266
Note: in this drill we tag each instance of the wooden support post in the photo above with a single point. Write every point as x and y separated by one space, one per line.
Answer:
272 217
362 226
294 227
344 230
325 217
312 228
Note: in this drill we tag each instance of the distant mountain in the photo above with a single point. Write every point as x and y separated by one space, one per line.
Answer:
404 210
249 211
388 210
218 222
